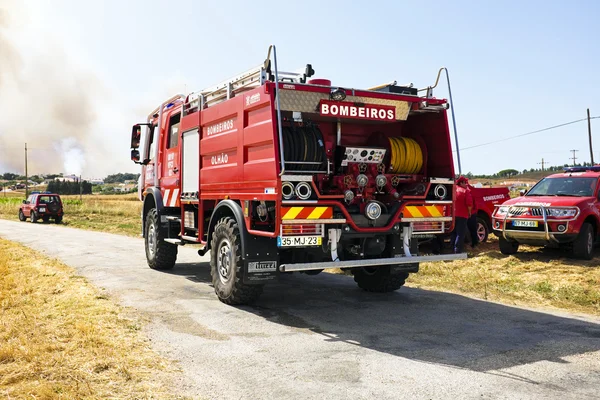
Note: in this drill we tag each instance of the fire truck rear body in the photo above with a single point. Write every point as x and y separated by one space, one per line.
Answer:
343 180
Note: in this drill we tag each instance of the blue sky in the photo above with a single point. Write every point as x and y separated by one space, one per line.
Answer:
515 66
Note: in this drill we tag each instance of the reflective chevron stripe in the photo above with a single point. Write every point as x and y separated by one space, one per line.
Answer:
423 211
316 213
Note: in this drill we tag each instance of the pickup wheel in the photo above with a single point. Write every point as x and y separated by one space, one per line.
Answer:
583 246
508 247
482 230
33 217
160 254
22 216
226 265
378 279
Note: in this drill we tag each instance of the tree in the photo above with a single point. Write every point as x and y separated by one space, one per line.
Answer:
8 176
508 172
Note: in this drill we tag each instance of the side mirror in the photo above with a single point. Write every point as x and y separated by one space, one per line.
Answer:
136 134
522 192
24 201
135 156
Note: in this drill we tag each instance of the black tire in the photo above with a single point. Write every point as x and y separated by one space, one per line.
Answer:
508 247
160 254
22 216
483 230
58 220
226 265
583 246
379 279
33 217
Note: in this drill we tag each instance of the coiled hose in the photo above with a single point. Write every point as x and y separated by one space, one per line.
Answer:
406 156
303 144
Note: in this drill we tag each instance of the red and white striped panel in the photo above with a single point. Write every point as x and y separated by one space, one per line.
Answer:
171 197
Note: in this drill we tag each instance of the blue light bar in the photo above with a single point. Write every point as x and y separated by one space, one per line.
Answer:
595 168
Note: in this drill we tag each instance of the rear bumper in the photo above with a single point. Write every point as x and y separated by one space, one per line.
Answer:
408 262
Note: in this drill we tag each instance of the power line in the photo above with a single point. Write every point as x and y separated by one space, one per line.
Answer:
528 133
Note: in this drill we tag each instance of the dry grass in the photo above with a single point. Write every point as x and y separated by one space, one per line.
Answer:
532 277
62 338
105 213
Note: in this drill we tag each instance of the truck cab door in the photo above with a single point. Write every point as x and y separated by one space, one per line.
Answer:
170 174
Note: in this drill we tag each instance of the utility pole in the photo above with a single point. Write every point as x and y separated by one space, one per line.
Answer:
80 188
543 163
574 158
590 136
26 177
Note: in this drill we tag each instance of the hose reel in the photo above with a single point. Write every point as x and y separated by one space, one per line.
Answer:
406 156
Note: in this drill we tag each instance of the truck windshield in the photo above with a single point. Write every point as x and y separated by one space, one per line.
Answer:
568 186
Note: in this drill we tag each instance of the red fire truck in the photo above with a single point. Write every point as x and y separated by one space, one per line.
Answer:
273 172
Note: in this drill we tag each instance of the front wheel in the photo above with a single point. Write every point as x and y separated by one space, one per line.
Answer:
508 247
160 254
226 265
583 246
379 279
22 216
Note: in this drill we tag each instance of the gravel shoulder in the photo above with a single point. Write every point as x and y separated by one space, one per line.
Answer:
317 337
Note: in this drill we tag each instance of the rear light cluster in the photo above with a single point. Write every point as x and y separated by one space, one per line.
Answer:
301 191
301 229
433 227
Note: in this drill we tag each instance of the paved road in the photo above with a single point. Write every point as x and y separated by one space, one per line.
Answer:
320 337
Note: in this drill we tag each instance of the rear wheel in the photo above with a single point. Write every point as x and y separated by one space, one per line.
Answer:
226 265
58 219
160 254
482 230
508 247
583 246
379 279
33 217
22 216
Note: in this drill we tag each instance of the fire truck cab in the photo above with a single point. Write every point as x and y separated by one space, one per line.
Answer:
275 172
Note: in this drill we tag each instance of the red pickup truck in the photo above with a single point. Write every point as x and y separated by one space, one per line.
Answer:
561 210
486 200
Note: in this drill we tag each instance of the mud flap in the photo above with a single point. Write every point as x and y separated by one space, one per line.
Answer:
261 260
397 250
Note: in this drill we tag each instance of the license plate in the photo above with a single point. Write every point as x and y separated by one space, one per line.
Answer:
527 224
298 241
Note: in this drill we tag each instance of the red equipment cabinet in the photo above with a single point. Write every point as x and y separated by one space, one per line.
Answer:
273 174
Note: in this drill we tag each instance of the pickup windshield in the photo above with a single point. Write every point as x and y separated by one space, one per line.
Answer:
567 186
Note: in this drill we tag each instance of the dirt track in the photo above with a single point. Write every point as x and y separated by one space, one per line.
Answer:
317 337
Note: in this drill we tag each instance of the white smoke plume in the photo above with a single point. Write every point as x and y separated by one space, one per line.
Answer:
46 101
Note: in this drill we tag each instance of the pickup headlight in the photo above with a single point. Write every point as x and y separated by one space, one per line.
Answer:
562 212
502 210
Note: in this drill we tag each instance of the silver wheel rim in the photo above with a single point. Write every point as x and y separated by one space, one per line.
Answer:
224 260
590 243
151 241
480 232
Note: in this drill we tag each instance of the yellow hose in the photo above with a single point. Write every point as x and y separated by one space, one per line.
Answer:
406 157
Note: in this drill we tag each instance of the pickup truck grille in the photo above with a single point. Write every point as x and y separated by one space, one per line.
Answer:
518 211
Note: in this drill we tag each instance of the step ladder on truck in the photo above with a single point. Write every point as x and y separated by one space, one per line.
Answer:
275 172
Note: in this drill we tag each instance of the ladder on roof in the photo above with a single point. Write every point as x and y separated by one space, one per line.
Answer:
247 80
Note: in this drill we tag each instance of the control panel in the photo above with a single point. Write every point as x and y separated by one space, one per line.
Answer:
368 155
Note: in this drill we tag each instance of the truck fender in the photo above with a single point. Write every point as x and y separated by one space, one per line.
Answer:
152 199
223 209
